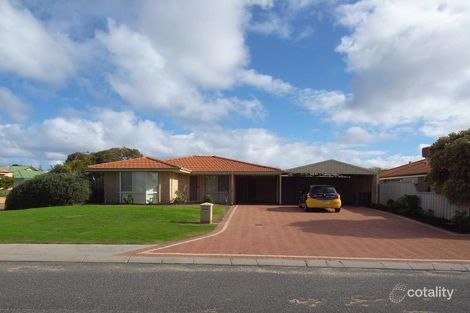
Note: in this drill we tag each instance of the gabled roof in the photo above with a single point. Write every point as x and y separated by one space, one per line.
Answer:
24 171
200 163
420 167
137 163
330 167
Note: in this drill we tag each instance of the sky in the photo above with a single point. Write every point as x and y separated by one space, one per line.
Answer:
281 83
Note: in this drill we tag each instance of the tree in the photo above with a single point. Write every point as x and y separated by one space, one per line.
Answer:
449 159
376 169
77 162
115 154
6 182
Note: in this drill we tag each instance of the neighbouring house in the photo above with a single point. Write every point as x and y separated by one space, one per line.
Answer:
149 180
356 185
5 172
410 179
22 173
413 171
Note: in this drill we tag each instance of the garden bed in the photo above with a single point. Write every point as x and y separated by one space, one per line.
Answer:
428 219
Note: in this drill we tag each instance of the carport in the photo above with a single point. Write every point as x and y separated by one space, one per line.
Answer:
357 185
257 189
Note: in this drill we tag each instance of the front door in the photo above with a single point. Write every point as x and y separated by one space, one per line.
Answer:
193 188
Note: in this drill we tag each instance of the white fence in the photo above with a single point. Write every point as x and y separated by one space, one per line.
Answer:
429 200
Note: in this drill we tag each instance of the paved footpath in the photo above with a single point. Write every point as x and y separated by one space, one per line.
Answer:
81 253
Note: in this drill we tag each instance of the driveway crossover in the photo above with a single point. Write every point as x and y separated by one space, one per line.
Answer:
355 232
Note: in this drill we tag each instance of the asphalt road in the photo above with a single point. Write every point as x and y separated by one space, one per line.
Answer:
68 287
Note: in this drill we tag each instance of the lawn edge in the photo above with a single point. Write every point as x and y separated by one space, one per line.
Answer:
221 226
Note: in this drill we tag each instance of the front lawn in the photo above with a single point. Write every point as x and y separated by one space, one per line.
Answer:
119 224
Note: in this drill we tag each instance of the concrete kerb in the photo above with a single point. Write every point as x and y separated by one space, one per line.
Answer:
262 262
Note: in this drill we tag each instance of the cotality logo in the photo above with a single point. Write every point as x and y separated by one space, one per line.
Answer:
398 293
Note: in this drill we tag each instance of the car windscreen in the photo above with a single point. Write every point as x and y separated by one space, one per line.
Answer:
322 189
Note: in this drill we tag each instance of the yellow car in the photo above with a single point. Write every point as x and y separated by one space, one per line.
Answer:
321 197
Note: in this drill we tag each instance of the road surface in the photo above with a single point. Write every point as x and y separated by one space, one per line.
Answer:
70 287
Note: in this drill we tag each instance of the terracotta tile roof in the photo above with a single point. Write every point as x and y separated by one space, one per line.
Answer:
413 168
198 163
4 170
137 163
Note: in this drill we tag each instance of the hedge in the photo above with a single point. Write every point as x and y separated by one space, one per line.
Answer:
50 189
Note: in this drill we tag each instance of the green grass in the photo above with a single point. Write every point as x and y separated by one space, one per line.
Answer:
116 224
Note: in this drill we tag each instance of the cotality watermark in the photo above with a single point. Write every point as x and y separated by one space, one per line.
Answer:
401 291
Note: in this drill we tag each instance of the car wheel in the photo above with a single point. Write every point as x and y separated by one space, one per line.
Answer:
306 209
337 210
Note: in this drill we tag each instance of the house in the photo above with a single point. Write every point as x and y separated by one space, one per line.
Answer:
22 173
410 179
356 185
413 171
149 180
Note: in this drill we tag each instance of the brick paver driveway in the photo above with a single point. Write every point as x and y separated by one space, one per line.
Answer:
281 231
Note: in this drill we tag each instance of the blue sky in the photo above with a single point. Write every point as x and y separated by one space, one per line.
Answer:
282 83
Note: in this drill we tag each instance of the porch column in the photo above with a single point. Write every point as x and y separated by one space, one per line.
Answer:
232 188
120 191
280 189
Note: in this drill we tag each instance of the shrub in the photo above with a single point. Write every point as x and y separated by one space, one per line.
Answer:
208 198
129 199
6 182
429 214
180 197
50 189
462 219
406 204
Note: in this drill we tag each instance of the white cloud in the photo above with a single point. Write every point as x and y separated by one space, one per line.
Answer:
278 19
203 41
30 50
49 140
263 81
390 161
322 100
12 106
272 24
357 136
409 61
147 79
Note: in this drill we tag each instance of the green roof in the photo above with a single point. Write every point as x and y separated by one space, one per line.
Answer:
24 171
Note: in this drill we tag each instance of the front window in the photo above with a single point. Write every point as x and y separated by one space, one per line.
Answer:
126 181
139 187
223 183
217 186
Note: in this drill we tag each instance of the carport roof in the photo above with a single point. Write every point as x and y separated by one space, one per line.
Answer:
330 167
